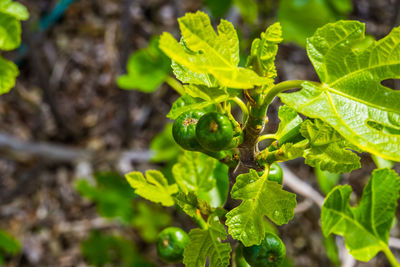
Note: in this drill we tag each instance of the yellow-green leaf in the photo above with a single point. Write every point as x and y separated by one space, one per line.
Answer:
351 97
207 52
153 187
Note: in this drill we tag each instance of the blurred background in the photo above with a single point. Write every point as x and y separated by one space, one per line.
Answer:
68 131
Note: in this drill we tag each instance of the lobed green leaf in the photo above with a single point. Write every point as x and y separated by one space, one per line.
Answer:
365 227
328 150
263 51
351 97
153 187
206 243
260 198
207 52
193 172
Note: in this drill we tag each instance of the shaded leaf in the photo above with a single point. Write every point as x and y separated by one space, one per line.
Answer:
8 243
149 219
365 227
163 146
187 202
328 149
147 69
299 21
193 172
248 9
207 244
103 250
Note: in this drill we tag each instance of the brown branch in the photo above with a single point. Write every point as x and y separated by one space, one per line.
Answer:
23 150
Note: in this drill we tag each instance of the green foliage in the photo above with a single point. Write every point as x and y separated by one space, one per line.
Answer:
328 149
153 187
111 250
203 175
186 103
149 220
112 195
248 9
263 51
331 250
193 172
114 200
289 120
163 146
14 9
206 53
348 111
11 13
8 74
300 18
147 69
218 8
206 243
326 180
365 227
8 244
260 198
346 76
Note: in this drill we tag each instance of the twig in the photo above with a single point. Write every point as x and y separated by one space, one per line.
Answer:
126 96
84 226
303 206
60 153
300 187
394 242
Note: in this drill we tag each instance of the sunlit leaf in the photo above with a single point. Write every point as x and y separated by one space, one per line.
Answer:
153 187
10 32
365 227
289 120
261 198
8 74
351 97
208 52
263 51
